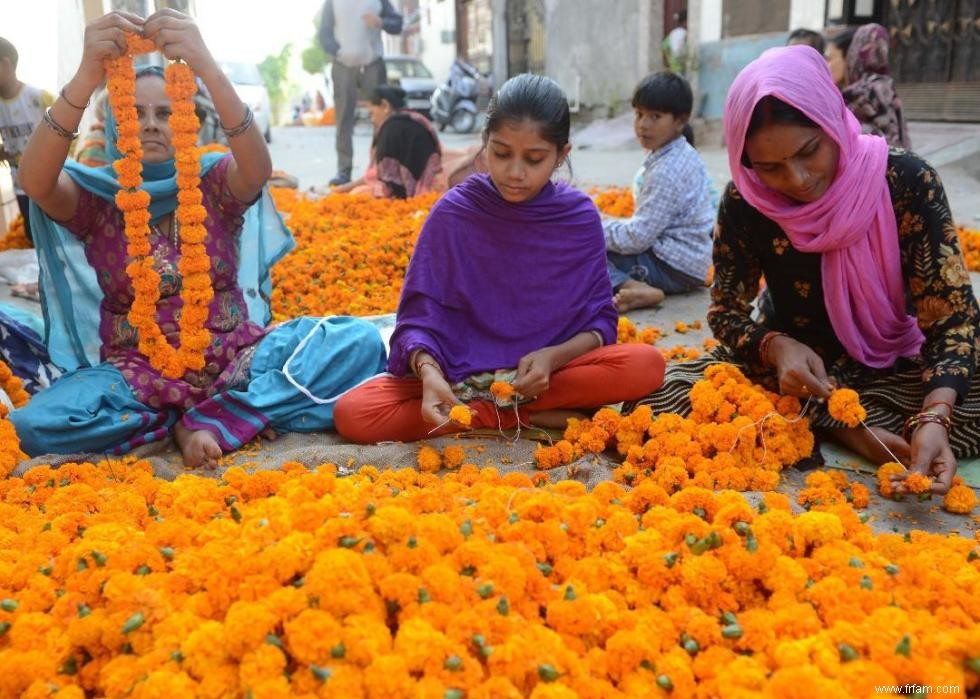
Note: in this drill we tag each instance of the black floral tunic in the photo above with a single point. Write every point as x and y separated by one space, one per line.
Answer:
749 246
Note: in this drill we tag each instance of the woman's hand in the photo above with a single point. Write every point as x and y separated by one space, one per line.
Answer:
933 457
800 370
105 38
437 396
534 373
178 38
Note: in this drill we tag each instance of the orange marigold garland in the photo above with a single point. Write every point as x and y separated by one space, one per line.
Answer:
194 264
845 406
461 415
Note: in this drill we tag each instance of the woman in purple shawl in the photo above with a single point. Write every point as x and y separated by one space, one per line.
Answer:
507 283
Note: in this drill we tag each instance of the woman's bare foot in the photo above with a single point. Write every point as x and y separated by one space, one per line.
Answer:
634 294
270 434
858 439
198 447
555 419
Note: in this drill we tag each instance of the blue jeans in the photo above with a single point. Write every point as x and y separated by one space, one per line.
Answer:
648 269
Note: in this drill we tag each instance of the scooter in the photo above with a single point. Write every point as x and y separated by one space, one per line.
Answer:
454 103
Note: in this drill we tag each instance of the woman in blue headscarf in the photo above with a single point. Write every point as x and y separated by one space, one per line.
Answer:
255 379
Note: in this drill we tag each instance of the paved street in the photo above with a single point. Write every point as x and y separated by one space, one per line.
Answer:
611 158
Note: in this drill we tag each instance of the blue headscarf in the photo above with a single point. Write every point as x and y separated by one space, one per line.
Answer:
71 295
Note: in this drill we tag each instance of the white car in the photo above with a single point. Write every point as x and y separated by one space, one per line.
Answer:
248 83
414 78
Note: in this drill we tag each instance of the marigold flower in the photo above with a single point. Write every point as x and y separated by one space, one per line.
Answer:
960 499
502 391
845 406
461 415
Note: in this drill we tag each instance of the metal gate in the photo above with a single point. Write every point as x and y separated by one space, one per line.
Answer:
935 57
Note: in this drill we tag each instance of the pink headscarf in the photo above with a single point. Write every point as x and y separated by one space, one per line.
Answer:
852 225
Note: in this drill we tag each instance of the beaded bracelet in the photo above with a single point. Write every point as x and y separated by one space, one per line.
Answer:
58 128
241 128
914 422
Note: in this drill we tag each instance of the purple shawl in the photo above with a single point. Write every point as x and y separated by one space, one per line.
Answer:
491 281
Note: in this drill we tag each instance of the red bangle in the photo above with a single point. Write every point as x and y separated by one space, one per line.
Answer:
424 362
764 345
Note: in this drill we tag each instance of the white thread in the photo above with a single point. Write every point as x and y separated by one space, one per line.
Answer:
895 458
302 389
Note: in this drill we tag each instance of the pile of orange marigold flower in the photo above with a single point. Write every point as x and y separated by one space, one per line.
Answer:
738 436
617 201
970 246
351 253
391 584
16 236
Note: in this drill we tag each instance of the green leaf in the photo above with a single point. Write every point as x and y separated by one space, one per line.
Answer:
485 590
70 666
83 610
972 664
81 565
570 593
9 605
167 552
600 523
671 558
663 681
321 673
144 570
466 528
728 618
548 672
424 597
453 663
742 528
100 558
348 542
904 646
177 656
273 640
731 631
235 514
133 622
513 518
412 543
892 569
545 569
454 694
847 653
855 563
46 570
338 651
4 627
866 583
691 646
503 606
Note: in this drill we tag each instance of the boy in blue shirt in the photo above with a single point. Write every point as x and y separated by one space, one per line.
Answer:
665 248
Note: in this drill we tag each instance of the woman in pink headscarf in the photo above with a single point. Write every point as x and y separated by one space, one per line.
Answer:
861 259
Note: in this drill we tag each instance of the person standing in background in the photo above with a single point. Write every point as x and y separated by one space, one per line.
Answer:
350 31
21 108
674 46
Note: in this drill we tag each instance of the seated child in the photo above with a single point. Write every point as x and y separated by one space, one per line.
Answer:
665 248
507 283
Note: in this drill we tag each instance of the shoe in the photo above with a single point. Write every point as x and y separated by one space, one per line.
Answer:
340 178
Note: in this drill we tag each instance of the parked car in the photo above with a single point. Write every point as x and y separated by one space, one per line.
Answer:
248 83
414 78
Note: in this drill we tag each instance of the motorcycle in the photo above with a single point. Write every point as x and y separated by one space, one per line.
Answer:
454 102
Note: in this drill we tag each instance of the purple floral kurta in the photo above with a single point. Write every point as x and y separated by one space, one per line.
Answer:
99 225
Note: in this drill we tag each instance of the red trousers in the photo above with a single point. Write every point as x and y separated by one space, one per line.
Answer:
390 408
